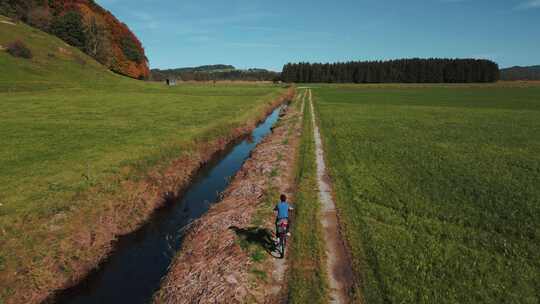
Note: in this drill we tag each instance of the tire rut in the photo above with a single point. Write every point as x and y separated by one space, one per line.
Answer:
338 266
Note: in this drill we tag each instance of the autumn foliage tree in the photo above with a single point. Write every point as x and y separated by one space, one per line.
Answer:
98 42
130 49
69 27
40 17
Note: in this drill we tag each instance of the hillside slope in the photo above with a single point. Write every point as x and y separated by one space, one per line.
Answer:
54 64
213 72
521 73
87 26
202 68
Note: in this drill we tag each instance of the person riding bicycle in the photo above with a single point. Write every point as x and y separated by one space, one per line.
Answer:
283 209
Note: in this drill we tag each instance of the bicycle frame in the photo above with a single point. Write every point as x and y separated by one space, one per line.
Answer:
282 236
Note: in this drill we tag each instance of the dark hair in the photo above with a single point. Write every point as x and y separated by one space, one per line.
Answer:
283 198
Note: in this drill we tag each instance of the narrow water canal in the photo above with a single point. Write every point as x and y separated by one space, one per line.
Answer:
132 274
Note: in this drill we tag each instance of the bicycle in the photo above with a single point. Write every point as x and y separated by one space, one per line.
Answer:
281 233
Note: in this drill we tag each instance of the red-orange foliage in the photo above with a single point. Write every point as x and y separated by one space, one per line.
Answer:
117 31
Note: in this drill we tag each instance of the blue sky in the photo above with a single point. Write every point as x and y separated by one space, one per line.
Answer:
268 34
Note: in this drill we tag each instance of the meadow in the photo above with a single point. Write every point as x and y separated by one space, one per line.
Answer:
57 141
437 188
68 126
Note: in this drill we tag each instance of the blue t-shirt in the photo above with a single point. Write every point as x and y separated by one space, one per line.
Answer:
283 210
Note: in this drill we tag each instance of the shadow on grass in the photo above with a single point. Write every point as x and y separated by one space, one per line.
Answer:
257 236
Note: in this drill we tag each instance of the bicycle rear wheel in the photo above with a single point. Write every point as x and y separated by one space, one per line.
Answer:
282 245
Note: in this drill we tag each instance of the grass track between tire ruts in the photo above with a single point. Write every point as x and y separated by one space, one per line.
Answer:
437 189
307 277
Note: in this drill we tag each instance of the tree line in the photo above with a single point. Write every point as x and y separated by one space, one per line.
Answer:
415 70
232 75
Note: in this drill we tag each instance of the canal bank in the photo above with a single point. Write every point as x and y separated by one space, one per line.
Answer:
145 196
227 255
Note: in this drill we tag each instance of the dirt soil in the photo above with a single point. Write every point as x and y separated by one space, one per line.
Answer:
212 267
338 259
95 234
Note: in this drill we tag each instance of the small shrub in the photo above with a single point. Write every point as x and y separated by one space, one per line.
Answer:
19 49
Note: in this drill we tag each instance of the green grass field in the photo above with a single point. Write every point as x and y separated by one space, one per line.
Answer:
57 141
438 188
68 125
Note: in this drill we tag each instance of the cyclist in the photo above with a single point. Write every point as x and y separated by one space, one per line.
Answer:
283 209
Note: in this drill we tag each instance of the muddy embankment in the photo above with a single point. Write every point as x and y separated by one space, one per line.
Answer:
95 233
212 267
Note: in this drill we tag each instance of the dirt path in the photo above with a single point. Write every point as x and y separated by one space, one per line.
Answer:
338 266
278 288
7 22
